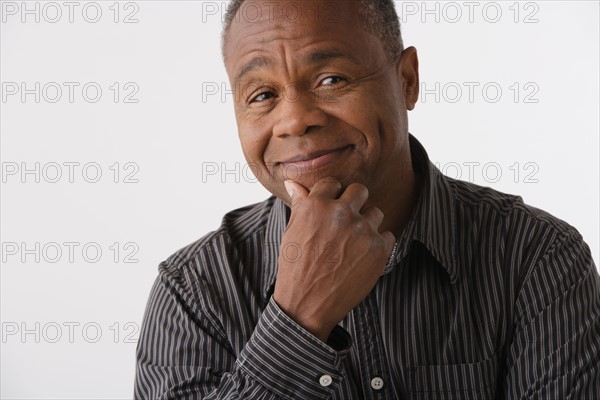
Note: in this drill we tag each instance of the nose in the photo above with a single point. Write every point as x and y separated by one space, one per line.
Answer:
297 113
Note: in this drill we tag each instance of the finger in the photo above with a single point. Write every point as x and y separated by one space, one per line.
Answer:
390 240
296 192
329 188
375 217
355 195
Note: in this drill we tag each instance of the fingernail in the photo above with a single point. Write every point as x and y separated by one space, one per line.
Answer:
289 187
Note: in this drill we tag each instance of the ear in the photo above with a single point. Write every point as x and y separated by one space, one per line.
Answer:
407 69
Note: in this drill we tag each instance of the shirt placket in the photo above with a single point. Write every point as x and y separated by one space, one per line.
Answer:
374 368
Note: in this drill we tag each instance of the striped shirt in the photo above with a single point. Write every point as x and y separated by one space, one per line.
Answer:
485 298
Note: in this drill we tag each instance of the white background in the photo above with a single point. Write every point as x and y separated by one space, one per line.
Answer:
69 326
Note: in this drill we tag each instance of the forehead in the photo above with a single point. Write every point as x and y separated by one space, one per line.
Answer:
292 25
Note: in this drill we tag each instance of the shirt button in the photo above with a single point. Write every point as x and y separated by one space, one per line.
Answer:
377 383
325 380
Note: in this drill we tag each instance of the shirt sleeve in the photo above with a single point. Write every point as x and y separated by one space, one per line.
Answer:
555 352
182 355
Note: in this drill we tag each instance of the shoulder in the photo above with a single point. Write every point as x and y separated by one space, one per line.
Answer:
209 281
522 233
508 210
236 227
215 257
525 240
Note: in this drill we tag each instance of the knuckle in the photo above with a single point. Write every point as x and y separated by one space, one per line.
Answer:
361 226
297 204
363 189
379 247
339 214
377 213
391 237
359 187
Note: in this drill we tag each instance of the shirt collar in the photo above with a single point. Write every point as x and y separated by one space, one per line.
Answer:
433 222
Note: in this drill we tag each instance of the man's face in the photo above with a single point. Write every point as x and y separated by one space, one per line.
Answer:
317 97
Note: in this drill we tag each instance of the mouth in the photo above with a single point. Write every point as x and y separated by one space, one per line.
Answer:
314 160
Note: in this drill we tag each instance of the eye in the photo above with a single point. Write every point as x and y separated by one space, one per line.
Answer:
261 97
332 80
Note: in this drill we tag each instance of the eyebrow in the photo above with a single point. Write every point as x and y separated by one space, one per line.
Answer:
315 57
330 54
255 63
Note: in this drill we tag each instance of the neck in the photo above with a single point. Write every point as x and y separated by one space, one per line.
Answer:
399 197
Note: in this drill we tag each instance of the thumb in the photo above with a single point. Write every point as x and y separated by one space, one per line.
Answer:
296 192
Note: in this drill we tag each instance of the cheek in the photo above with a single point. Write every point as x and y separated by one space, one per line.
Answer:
379 121
254 140
358 111
363 115
251 148
255 144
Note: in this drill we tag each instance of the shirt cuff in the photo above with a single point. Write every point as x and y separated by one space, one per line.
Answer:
290 361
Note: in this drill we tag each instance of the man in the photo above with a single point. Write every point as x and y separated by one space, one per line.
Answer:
368 274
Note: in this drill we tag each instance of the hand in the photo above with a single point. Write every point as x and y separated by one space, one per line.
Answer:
331 254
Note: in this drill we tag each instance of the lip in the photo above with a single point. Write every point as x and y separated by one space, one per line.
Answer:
315 159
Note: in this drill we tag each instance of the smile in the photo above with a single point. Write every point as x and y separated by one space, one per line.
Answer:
314 160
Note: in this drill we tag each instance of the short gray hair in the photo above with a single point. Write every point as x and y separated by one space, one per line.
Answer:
378 17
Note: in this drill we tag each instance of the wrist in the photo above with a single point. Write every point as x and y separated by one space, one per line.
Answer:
314 325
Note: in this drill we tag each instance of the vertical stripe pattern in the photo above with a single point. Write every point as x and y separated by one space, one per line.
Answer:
486 298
